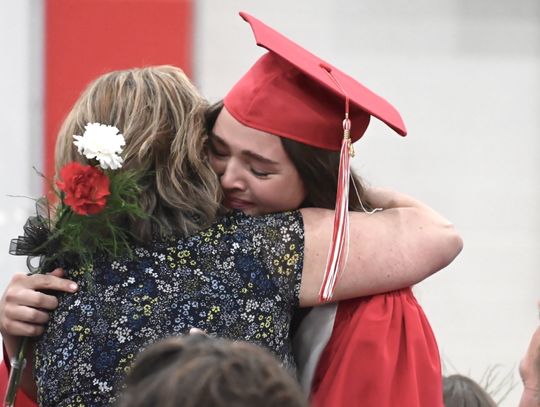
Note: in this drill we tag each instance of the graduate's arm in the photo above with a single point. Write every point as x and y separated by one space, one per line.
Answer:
389 249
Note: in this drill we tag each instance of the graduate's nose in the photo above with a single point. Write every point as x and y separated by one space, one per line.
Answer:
232 177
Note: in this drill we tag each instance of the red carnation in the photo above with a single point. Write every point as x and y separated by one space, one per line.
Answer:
86 188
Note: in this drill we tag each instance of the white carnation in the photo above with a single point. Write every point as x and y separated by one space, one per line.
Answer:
103 143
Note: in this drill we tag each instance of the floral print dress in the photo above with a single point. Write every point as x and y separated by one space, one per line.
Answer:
238 279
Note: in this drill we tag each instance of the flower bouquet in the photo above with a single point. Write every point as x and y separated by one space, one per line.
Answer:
88 218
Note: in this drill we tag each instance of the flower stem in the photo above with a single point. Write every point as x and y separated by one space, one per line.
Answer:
18 362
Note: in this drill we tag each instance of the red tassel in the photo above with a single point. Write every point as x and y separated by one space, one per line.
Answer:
339 246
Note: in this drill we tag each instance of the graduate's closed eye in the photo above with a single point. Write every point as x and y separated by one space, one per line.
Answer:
219 153
260 174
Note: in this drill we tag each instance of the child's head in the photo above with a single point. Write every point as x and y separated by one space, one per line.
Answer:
271 173
462 391
197 370
161 115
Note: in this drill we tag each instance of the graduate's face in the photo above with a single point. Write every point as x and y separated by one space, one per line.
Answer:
256 174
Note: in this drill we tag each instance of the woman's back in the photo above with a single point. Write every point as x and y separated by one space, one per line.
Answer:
238 280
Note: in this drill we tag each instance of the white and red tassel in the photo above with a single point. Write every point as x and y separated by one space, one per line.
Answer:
339 246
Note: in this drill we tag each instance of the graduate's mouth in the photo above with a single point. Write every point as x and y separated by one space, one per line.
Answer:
240 204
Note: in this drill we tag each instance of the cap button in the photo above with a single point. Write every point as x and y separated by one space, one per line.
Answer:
326 67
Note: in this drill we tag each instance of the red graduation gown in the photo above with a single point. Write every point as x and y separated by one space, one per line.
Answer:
381 353
22 400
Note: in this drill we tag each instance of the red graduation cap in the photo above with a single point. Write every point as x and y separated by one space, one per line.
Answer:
291 93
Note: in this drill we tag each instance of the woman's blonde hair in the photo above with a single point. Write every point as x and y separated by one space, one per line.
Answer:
161 115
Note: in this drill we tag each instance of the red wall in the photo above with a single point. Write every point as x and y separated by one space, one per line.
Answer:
85 38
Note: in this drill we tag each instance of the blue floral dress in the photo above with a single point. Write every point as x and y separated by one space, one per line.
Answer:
239 279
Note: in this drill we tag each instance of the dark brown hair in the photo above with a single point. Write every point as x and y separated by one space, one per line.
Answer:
202 371
318 169
462 391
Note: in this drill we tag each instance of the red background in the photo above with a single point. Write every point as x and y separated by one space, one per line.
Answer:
86 38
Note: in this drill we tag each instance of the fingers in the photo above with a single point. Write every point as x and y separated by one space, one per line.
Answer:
51 281
18 328
20 320
28 297
58 272
25 305
29 290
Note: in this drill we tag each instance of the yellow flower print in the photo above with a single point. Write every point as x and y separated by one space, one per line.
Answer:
82 331
183 253
213 311
124 365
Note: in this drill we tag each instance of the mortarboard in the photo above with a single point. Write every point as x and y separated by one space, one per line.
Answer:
291 93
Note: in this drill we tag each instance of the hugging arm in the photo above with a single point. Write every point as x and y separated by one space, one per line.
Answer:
394 248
